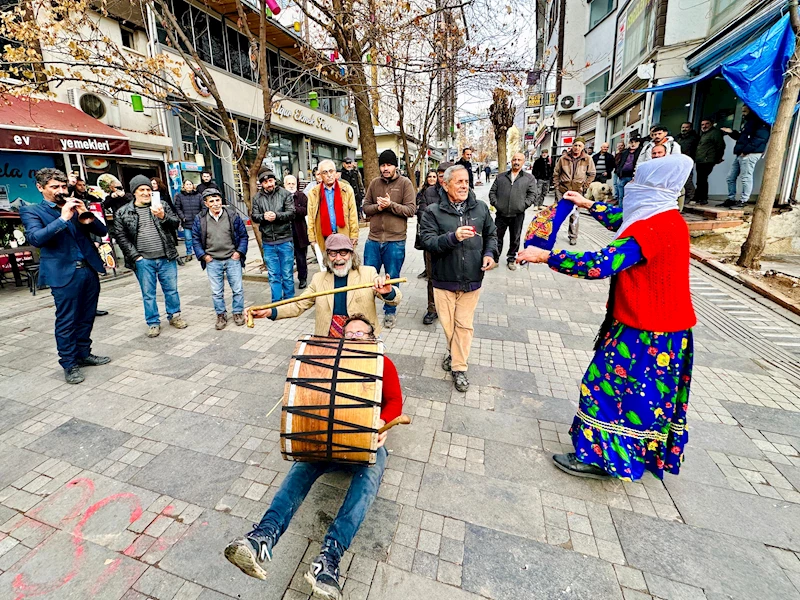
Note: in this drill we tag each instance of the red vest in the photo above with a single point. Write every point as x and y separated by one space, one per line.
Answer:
654 295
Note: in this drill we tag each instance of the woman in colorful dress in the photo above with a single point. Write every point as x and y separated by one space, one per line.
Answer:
634 396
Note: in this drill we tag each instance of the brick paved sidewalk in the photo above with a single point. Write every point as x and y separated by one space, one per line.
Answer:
130 485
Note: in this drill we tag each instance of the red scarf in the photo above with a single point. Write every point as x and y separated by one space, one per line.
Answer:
337 206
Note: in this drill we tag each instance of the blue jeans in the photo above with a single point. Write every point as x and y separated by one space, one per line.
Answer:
216 271
743 166
390 256
279 259
166 272
619 187
360 496
187 239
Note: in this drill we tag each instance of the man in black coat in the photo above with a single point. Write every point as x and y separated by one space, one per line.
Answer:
464 161
603 163
299 230
708 154
751 142
189 204
512 193
462 238
543 172
351 175
206 182
688 140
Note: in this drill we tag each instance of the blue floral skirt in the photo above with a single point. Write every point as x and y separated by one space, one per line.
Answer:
634 397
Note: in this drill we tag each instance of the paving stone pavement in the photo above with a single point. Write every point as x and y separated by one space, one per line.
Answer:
130 485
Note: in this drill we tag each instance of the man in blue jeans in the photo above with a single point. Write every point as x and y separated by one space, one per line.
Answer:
751 143
389 203
148 237
219 240
252 552
273 210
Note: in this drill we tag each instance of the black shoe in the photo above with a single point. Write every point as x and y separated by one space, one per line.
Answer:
573 242
188 258
569 463
74 375
447 363
100 313
302 284
728 203
460 381
180 261
422 275
429 318
738 206
323 575
700 202
94 361
251 554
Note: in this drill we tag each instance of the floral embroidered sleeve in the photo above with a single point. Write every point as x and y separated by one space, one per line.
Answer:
609 216
617 256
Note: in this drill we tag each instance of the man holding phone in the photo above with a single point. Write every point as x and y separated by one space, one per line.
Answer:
69 263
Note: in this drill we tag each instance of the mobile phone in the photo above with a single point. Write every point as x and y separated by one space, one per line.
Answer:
155 201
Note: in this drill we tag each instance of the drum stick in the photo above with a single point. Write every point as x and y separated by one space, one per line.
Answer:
347 288
401 420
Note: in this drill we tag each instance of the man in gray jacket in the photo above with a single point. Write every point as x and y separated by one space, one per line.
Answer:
511 194
273 211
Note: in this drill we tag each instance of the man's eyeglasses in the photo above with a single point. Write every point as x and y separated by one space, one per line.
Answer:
357 335
335 253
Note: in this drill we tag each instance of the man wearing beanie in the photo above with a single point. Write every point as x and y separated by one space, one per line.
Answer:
148 238
389 203
273 211
573 172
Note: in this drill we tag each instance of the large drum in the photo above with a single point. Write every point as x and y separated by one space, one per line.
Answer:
332 401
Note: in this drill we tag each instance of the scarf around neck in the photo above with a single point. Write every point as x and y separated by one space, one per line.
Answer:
338 208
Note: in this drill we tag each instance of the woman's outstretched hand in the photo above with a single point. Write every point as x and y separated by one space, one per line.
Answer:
578 200
532 254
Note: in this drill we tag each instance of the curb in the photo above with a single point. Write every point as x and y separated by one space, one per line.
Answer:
753 284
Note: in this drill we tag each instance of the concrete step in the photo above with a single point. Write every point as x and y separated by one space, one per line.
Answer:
717 213
699 224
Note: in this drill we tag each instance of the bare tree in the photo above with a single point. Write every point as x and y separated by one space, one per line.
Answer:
753 247
501 114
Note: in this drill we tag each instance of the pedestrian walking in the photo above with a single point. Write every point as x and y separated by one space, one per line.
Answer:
543 172
147 236
603 163
488 170
351 175
512 193
389 203
626 167
188 204
634 396
465 161
299 230
62 229
659 136
709 153
688 140
751 143
331 208
219 239
273 211
433 195
573 172
462 238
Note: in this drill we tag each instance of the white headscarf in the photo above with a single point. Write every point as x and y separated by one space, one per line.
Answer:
655 188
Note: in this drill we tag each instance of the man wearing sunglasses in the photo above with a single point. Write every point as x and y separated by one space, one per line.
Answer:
344 268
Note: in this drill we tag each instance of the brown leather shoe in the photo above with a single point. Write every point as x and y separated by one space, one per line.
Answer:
222 320
238 318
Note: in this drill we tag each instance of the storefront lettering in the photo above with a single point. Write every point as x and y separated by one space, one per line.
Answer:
78 144
46 141
9 171
301 117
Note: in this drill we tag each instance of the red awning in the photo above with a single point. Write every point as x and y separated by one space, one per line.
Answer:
45 126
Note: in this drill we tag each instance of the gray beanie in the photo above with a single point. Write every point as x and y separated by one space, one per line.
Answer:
138 182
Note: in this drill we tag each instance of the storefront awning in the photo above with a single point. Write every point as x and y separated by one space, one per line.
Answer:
45 126
671 85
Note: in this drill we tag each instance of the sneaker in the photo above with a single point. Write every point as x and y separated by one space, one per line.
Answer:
93 361
738 205
323 575
728 203
422 275
512 265
154 331
251 554
389 321
460 381
222 320
74 375
447 363
238 318
429 318
573 242
189 258
177 321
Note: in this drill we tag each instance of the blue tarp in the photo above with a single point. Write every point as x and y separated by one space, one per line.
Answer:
755 73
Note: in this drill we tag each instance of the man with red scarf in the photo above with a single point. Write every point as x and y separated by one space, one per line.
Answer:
331 208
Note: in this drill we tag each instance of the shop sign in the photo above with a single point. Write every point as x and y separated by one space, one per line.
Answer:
635 35
535 100
551 99
43 141
307 117
566 137
17 180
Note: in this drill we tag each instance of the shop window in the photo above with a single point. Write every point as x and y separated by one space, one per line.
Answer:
597 88
274 69
202 44
599 10
217 39
183 15
247 65
638 18
723 11
234 52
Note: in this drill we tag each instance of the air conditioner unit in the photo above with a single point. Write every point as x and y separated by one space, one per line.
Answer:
188 148
570 102
101 107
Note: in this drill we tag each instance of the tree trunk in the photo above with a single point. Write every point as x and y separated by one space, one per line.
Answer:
753 247
366 134
500 139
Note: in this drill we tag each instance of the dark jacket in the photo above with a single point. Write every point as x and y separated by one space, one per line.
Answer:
125 229
753 137
622 157
188 206
688 142
354 179
610 165
202 187
200 233
113 204
60 244
299 225
543 169
513 198
468 166
457 265
426 197
710 147
281 203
